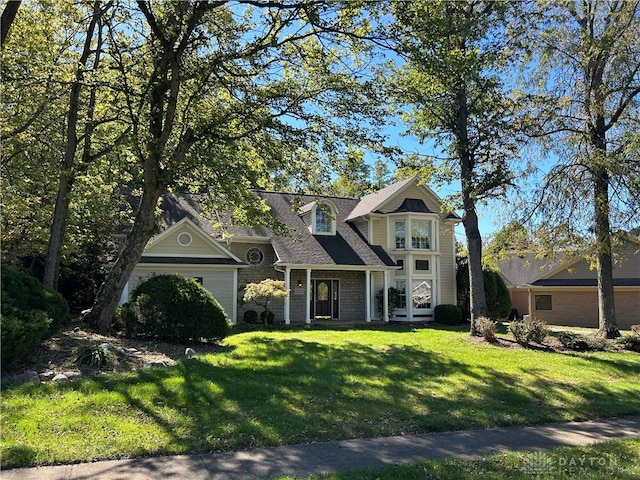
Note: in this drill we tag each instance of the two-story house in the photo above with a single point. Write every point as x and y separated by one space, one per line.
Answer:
338 255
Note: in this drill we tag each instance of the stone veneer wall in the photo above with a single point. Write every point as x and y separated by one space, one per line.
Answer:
351 294
255 274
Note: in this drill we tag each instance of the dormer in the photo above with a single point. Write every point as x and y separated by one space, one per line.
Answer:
320 217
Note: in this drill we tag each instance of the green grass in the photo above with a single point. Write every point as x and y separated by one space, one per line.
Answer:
271 388
617 459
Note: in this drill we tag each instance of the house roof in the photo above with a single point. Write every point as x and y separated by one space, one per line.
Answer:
527 269
346 248
584 282
371 203
524 269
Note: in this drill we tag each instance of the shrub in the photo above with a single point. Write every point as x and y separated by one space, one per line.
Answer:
174 308
447 314
581 343
94 355
22 331
250 316
393 295
495 291
30 312
24 292
531 330
630 342
486 328
267 317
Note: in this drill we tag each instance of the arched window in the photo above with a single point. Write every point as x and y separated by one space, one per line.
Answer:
323 219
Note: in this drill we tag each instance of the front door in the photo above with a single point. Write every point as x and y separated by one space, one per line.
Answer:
325 299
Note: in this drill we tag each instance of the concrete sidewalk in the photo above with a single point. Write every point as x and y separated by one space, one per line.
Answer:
304 460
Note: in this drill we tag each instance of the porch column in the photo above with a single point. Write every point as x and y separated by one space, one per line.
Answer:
234 315
367 295
308 297
287 299
385 296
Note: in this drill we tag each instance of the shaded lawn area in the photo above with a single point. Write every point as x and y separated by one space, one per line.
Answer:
271 388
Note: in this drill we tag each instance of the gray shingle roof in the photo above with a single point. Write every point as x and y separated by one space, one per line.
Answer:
346 248
524 269
300 247
370 203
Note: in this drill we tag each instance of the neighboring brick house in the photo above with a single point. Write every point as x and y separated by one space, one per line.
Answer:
338 255
564 291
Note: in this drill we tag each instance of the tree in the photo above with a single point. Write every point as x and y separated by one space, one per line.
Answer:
450 81
586 57
263 293
58 126
223 97
71 166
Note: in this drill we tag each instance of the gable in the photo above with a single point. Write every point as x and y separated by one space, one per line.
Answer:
407 194
186 239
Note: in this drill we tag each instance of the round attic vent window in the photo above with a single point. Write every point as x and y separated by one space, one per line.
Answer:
185 239
254 256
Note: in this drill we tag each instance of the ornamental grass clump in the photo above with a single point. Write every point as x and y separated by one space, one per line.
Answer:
94 355
531 330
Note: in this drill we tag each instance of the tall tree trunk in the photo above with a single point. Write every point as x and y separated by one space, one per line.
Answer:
607 324
67 168
110 291
469 217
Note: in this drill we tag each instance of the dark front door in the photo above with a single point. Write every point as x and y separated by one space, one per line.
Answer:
325 298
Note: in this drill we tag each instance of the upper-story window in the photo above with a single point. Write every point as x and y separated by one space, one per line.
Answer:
324 219
320 217
400 234
421 234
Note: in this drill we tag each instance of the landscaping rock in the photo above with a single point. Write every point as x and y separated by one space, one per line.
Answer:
46 376
72 375
190 352
119 351
60 377
157 363
24 377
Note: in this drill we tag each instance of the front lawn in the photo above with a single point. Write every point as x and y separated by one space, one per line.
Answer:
617 459
271 388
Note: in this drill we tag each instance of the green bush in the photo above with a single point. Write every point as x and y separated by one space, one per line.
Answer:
447 314
26 293
630 342
174 308
22 331
581 343
267 317
250 316
30 312
531 330
393 300
495 291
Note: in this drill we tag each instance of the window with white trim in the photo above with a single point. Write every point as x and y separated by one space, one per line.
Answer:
255 256
421 234
400 234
